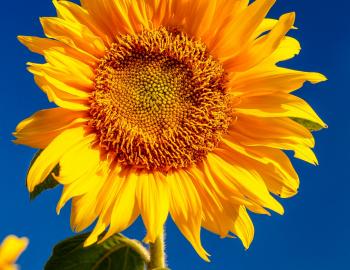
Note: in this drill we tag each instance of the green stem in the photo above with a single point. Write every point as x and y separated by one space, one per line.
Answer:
157 254
139 248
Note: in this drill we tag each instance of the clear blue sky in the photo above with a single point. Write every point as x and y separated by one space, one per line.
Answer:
313 233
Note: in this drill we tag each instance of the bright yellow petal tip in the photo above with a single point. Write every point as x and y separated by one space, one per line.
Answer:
10 249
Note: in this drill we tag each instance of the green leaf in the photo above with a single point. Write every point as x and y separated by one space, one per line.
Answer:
113 254
310 125
48 183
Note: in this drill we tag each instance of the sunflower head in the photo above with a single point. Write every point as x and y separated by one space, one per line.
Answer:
165 107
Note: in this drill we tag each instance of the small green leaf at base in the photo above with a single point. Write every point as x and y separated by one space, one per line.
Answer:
112 254
312 126
48 183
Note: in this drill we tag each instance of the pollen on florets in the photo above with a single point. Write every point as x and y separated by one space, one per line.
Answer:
159 100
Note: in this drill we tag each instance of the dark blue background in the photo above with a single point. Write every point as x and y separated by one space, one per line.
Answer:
314 232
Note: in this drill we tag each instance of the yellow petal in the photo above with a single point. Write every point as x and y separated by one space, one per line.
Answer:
78 168
271 79
272 164
234 219
138 15
40 45
70 77
153 202
99 228
70 66
224 189
242 29
266 25
73 34
42 127
262 48
61 98
69 70
207 187
280 133
159 12
266 130
77 187
124 209
226 14
243 227
287 49
11 248
52 154
74 13
222 214
104 202
186 209
244 177
110 15
84 207
66 88
213 192
278 105
200 17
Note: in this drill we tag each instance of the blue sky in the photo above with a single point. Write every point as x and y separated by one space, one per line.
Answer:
313 233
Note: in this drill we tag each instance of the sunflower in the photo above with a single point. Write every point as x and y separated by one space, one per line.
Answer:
10 250
168 107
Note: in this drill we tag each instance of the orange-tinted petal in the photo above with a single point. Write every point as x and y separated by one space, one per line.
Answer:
42 127
73 34
262 47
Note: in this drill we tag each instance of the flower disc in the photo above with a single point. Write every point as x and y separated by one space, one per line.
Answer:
159 100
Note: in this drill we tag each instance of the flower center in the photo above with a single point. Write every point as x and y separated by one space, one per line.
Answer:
159 101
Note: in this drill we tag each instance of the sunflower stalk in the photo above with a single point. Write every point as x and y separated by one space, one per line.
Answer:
157 253
138 247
